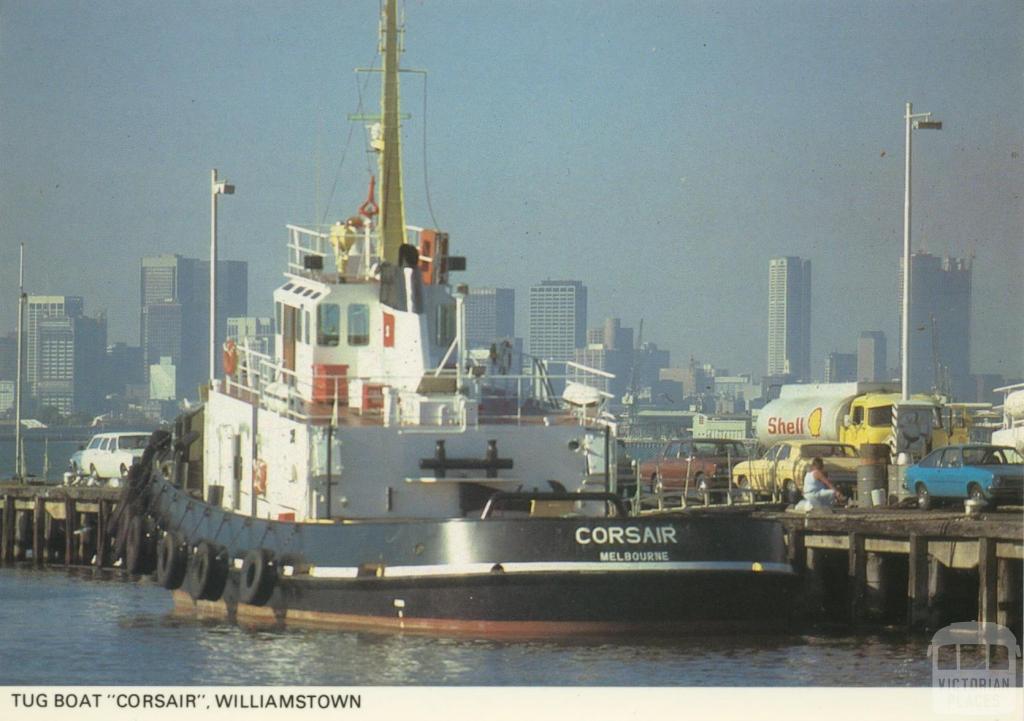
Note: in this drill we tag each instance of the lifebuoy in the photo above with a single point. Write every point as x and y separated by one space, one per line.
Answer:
258 576
259 478
171 562
230 353
369 208
208 572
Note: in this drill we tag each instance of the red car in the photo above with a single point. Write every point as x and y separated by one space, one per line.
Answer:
706 462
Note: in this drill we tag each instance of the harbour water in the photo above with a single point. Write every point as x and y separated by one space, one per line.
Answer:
64 628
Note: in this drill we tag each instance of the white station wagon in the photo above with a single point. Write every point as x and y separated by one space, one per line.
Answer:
109 455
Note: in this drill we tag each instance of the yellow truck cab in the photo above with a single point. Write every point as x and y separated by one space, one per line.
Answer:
920 421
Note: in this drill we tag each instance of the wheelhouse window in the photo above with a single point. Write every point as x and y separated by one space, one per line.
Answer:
305 337
277 317
358 324
445 325
328 324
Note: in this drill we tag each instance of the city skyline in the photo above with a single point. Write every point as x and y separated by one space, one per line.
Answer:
732 165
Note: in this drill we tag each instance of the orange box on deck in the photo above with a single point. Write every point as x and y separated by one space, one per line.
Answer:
326 380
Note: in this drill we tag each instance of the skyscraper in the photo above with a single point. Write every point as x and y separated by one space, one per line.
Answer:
841 367
174 313
558 319
610 349
490 315
8 356
38 307
940 324
69 363
789 318
871 360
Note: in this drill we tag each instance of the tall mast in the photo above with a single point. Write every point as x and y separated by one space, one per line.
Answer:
19 452
392 211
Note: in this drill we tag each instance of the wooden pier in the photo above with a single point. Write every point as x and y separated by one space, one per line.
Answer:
926 569
56 525
891 566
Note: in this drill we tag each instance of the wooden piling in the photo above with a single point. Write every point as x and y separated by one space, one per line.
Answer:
857 575
939 603
988 579
796 551
22 535
82 540
38 528
70 517
7 532
917 582
1008 594
48 553
102 520
813 596
876 591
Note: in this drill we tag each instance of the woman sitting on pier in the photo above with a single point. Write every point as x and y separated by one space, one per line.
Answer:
818 489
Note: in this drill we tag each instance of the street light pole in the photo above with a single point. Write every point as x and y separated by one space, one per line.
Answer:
216 188
921 122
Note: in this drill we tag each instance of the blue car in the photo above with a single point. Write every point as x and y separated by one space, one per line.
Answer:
994 474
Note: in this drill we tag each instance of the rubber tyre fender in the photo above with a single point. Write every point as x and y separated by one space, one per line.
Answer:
139 558
171 562
208 573
258 577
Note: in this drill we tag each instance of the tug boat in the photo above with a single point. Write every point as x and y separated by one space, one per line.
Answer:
373 473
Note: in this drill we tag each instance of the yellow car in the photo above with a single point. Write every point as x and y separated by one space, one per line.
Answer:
781 470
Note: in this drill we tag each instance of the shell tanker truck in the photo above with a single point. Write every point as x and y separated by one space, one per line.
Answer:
870 416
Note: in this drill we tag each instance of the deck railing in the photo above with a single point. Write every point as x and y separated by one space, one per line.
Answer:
478 396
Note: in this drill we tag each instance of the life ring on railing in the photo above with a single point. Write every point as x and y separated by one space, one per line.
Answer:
259 478
369 208
230 357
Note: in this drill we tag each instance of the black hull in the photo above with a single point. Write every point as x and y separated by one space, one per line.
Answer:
545 605
495 576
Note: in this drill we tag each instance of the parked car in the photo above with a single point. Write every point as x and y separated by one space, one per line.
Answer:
109 455
782 468
994 474
695 465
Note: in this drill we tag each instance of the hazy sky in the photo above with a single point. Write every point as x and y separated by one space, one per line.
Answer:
661 152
